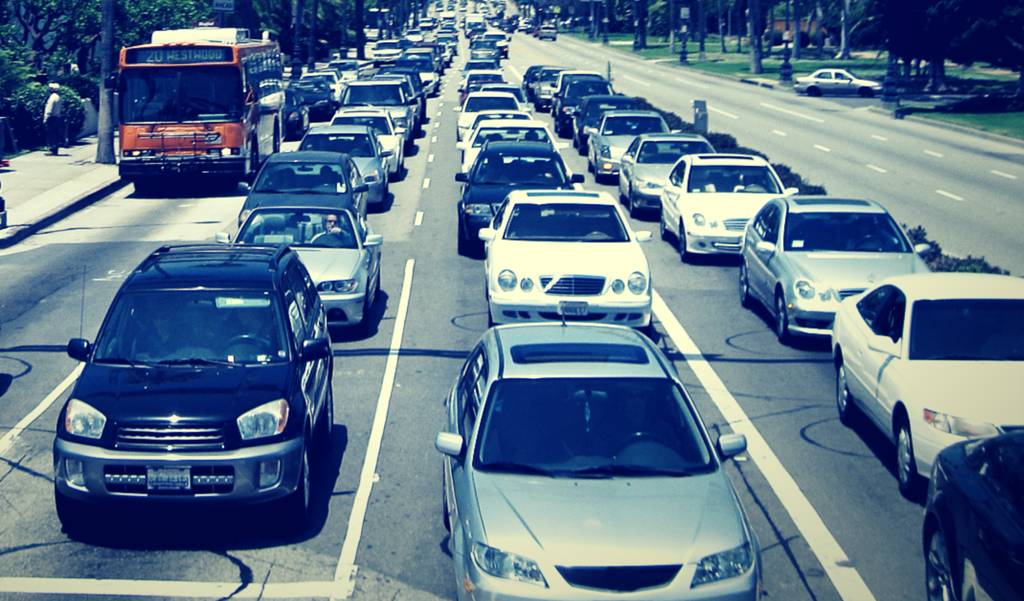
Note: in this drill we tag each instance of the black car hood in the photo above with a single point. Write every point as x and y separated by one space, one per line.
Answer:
493 194
208 394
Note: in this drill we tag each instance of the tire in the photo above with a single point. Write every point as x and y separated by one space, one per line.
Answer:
781 318
684 255
744 286
254 159
815 92
277 138
844 400
445 519
634 210
906 466
293 512
662 230
938 576
462 242
866 93
323 435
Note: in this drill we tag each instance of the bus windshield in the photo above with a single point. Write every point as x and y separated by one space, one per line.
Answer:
169 95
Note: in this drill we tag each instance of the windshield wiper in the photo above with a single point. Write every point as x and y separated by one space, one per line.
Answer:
198 361
516 468
612 469
120 361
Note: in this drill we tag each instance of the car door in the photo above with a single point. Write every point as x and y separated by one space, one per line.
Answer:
464 409
670 197
626 167
863 363
302 329
825 82
886 354
843 84
759 261
370 256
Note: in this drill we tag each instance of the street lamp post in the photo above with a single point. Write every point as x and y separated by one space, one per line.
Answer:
890 85
604 23
786 69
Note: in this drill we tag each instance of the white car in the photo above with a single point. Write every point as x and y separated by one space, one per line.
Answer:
505 130
836 81
931 360
484 101
709 198
389 136
386 52
331 78
565 255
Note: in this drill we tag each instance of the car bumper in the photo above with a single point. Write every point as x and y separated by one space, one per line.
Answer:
810 322
606 166
647 198
621 311
727 244
230 477
132 168
344 309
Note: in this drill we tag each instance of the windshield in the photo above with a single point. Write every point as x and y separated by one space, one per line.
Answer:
379 123
357 145
565 223
668 152
967 330
193 326
417 65
511 134
498 115
726 178
632 126
388 45
324 229
579 89
862 232
176 95
490 103
376 94
543 171
309 85
311 178
590 427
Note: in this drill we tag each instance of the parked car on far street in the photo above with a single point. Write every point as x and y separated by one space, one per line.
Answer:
836 81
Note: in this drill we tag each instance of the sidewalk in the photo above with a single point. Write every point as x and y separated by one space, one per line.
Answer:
40 189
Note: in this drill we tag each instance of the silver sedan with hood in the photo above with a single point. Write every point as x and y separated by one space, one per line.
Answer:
576 466
646 164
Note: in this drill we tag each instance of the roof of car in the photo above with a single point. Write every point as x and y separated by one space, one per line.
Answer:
553 350
612 114
671 137
212 265
506 123
561 196
490 95
821 204
306 156
725 159
607 98
958 285
519 149
340 129
375 82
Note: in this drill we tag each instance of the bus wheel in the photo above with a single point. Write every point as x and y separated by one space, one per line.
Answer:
277 138
254 158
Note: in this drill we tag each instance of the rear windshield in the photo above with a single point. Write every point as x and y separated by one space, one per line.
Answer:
967 330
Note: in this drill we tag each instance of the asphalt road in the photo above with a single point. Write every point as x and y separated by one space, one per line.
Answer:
822 497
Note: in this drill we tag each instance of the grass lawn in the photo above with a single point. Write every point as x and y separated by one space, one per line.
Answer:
1005 124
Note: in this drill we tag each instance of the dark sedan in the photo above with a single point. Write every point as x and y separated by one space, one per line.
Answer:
499 169
318 96
296 114
974 521
590 112
307 179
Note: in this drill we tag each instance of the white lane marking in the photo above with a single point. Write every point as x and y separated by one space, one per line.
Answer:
515 71
793 113
1001 174
878 137
344 586
419 219
878 169
933 153
426 183
692 83
721 112
11 437
779 133
433 139
823 148
437 124
949 195
67 587
439 113
846 579
430 158
639 81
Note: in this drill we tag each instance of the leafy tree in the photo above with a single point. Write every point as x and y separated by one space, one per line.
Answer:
995 34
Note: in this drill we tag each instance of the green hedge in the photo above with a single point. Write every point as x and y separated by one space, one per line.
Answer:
29 106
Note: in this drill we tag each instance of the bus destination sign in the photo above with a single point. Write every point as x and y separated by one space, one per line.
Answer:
179 56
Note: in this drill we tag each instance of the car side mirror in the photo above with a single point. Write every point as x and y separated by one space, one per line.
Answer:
386 153
643 236
79 349
450 444
461 145
222 238
462 177
373 240
244 187
765 247
922 248
318 348
577 178
730 445
360 188
791 191
487 234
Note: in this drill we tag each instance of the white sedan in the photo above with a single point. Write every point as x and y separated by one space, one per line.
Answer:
505 130
836 81
484 101
565 255
932 359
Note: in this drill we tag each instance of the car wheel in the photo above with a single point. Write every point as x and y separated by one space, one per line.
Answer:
844 400
744 286
938 576
662 230
866 92
277 138
684 255
294 510
813 91
781 318
906 465
445 519
634 210
463 244
323 436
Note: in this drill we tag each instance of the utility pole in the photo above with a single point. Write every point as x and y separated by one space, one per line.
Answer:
105 154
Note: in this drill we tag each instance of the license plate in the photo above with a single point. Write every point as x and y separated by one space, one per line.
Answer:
572 308
168 478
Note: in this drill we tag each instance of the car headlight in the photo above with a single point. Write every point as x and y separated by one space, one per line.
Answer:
606 151
724 565
507 565
806 289
699 220
526 285
618 286
478 210
371 178
507 280
637 283
268 419
82 419
342 286
959 426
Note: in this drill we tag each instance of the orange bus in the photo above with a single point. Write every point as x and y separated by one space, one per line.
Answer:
205 101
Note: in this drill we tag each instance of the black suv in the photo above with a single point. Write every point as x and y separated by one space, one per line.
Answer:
209 384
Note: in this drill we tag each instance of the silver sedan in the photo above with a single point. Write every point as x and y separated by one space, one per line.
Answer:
648 161
359 142
613 136
802 255
576 466
836 81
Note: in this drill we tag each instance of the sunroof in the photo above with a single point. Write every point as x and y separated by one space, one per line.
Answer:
570 352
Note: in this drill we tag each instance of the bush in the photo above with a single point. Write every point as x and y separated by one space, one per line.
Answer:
937 261
29 106
83 85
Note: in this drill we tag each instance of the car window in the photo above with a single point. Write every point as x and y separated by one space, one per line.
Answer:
498 169
313 178
499 215
357 145
470 390
766 224
854 232
633 147
678 174
609 426
967 330
565 222
870 307
489 103
732 178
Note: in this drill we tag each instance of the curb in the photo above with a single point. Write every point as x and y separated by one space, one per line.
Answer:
17 233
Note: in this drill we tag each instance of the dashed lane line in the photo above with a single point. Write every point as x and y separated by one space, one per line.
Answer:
723 113
793 113
1001 174
878 169
934 154
950 195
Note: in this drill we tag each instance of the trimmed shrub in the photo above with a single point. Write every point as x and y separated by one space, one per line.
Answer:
29 106
83 85
938 261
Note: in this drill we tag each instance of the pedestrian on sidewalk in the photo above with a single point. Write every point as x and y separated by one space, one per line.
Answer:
53 120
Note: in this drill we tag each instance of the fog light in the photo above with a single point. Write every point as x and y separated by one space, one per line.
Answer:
74 472
270 473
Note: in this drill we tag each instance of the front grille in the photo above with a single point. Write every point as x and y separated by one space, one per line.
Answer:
574 285
848 292
170 438
735 225
619 578
205 480
556 317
